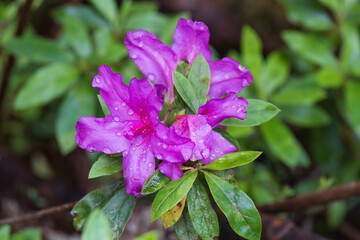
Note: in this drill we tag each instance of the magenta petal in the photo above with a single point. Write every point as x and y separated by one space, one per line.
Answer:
191 39
168 146
219 147
217 110
227 75
154 58
101 135
138 165
171 170
114 93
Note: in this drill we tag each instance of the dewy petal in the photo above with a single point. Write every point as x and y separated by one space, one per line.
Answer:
154 58
217 110
219 147
138 164
114 93
191 39
169 146
171 170
101 135
227 75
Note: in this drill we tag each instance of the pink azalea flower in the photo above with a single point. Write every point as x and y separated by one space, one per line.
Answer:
132 128
158 61
209 144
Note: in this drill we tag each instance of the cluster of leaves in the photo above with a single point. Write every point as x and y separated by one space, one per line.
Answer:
51 77
314 80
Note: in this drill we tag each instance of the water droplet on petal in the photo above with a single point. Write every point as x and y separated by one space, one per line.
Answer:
151 76
159 156
133 56
233 106
91 148
123 104
118 133
217 150
131 169
130 112
201 140
165 137
165 146
107 150
97 79
226 76
212 157
205 153
141 44
116 119
149 165
116 108
159 143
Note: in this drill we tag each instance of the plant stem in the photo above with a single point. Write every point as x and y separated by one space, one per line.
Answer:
167 115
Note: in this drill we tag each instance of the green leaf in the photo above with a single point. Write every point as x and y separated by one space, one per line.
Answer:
257 112
308 14
184 228
329 77
238 208
201 213
306 116
299 93
310 48
283 143
352 103
107 48
350 50
251 49
38 49
150 21
28 234
105 165
46 84
227 176
154 183
77 36
112 200
186 91
172 216
171 194
336 213
199 77
79 102
107 8
232 160
103 106
97 227
274 73
5 232
153 235
332 4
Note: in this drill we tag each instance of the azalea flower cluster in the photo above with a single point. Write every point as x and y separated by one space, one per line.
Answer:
134 128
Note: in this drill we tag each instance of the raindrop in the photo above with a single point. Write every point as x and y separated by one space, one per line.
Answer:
118 133
159 143
159 156
97 79
133 56
151 76
116 108
130 112
233 107
116 119
149 165
141 44
212 157
107 150
123 104
165 146
205 152
217 150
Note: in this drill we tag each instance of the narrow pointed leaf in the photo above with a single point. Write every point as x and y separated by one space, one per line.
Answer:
5 232
352 101
154 183
97 227
201 213
172 216
105 165
171 194
184 228
232 160
107 8
238 208
186 91
257 112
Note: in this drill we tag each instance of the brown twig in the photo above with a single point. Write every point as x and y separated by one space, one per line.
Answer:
24 13
39 214
313 199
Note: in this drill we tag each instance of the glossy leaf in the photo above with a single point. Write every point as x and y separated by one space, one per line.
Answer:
199 77
171 194
283 143
79 102
352 103
107 8
306 116
77 36
103 106
186 91
184 228
251 48
172 216
46 84
232 160
332 4
97 227
350 50
201 213
38 49
112 200
154 183
257 112
329 77
274 73
310 48
227 176
105 165
5 232
299 93
238 208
